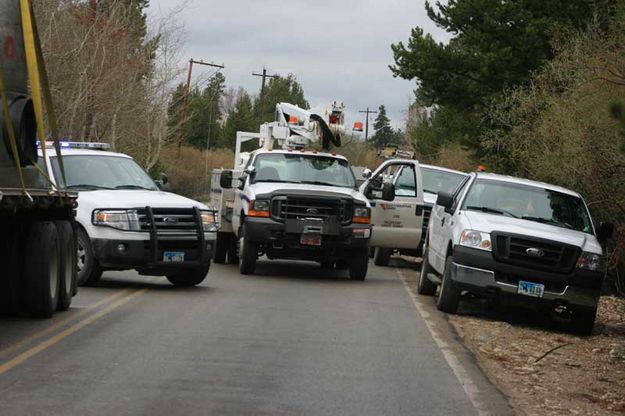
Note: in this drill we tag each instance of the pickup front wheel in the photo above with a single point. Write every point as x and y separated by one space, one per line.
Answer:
247 254
449 296
382 256
425 286
190 277
358 265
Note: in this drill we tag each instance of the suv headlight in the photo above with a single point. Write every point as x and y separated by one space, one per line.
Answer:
259 208
590 261
125 220
476 239
208 221
362 215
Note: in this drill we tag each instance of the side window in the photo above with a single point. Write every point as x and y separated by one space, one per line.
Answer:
459 192
405 183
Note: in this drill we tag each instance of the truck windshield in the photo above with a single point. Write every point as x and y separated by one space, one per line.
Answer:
528 203
95 172
304 169
435 180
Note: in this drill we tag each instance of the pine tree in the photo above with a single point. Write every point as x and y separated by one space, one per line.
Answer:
384 134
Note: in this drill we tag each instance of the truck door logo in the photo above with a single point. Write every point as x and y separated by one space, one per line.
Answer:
535 252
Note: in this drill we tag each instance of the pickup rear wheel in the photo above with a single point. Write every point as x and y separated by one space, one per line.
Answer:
191 277
382 256
449 296
247 254
42 269
89 271
358 265
583 320
425 286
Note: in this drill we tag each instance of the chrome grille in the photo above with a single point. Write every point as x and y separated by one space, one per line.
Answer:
289 207
549 255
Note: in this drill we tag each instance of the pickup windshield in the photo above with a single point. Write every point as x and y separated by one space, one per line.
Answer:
95 172
528 203
303 169
436 180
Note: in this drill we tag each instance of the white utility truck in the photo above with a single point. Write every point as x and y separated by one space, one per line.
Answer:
126 222
498 236
293 203
37 251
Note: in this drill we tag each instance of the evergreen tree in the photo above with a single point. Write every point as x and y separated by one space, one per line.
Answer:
240 119
278 90
384 134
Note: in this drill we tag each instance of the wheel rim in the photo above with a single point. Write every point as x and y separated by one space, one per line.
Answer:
81 257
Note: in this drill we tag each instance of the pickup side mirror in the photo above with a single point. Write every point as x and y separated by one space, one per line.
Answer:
164 178
366 174
225 180
605 231
445 200
388 192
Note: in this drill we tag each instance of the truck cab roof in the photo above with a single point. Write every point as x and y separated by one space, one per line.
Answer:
528 182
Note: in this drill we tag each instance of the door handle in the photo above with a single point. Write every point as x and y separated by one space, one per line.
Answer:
443 221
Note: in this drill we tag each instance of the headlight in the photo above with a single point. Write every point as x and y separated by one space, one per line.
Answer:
126 220
476 239
208 221
362 215
259 208
590 261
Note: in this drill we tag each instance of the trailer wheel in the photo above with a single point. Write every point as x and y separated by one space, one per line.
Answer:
382 256
247 254
89 271
358 265
188 278
67 244
41 269
222 244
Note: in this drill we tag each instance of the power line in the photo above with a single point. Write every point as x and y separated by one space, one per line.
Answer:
264 76
367 111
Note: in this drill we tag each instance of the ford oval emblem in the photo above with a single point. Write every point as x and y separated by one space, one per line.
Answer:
535 252
170 220
312 211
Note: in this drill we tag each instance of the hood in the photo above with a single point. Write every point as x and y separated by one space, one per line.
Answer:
489 223
134 199
263 188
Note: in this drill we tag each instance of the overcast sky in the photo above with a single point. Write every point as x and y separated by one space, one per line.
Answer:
338 50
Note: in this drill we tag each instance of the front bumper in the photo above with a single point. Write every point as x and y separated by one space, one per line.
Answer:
477 272
146 257
282 239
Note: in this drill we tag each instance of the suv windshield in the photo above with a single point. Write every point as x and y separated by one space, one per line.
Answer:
93 172
435 180
528 203
304 169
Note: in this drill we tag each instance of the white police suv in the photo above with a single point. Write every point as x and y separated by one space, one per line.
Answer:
126 222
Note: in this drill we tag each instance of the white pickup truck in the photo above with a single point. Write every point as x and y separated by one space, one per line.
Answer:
126 222
498 236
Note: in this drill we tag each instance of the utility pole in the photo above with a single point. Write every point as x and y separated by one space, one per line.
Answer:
367 111
264 76
187 89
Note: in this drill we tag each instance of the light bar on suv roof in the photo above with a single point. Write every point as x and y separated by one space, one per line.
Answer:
79 145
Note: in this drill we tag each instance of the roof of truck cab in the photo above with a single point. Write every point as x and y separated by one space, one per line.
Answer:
528 182
443 169
87 152
301 152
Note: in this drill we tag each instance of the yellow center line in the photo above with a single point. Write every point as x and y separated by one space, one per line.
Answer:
59 324
69 331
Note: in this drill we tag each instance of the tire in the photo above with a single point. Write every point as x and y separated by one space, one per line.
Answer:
41 269
68 265
371 252
449 296
189 277
382 256
327 264
89 271
342 265
222 244
247 254
358 265
233 257
425 285
583 321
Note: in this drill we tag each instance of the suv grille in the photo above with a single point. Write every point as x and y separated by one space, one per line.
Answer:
289 207
171 222
550 255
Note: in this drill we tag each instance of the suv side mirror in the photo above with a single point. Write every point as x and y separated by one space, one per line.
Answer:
388 192
445 200
366 174
605 231
225 180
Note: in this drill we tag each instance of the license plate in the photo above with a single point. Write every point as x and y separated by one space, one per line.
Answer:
310 240
535 290
173 256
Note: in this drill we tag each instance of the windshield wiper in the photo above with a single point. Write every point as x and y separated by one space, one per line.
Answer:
492 211
273 181
133 187
548 221
319 183
88 187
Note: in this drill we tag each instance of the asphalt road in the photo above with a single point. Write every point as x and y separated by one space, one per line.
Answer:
291 340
